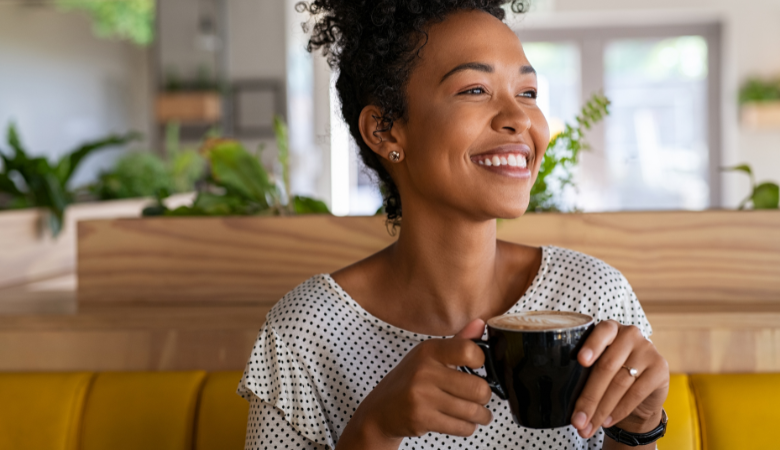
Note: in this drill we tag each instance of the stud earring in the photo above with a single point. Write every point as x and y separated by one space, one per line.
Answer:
394 156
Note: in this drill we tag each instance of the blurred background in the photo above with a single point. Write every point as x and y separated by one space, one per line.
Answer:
74 71
666 125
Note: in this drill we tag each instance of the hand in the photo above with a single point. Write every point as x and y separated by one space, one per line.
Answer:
424 393
613 397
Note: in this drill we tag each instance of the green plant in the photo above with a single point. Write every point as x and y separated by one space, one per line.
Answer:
120 19
556 171
144 174
27 182
237 184
763 196
757 90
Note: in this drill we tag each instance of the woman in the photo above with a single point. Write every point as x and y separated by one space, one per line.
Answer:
441 100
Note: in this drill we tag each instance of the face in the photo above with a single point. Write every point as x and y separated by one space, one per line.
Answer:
474 138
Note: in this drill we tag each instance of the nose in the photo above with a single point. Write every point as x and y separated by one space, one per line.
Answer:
511 116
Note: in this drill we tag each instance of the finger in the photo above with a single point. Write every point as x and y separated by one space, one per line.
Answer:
617 389
457 352
464 410
465 386
601 337
474 330
444 424
655 377
601 376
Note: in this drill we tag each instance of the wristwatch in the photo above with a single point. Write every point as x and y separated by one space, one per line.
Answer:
635 439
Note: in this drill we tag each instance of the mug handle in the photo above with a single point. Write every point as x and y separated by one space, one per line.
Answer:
490 370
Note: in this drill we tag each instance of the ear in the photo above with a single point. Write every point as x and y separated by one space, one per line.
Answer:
381 142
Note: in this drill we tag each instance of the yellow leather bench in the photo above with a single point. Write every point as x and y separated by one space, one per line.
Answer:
199 411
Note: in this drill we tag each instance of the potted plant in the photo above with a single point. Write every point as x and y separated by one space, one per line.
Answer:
196 102
236 184
35 182
760 103
37 212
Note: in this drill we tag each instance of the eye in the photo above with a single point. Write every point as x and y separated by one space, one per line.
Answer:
529 94
473 91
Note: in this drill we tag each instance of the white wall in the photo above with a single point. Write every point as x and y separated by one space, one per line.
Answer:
62 86
751 37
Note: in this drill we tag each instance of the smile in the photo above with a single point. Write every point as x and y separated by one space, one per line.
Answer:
507 159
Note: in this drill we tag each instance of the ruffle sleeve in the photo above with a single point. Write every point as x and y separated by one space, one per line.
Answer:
275 375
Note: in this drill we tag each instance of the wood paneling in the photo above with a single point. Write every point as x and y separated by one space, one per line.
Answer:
221 338
178 294
720 258
140 338
718 342
229 260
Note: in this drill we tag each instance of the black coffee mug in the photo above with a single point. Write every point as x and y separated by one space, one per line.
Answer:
536 369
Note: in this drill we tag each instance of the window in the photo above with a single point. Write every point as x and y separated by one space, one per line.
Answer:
660 147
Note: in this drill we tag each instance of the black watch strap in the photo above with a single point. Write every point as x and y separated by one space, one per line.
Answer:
636 439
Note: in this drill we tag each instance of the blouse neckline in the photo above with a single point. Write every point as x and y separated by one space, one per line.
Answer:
387 327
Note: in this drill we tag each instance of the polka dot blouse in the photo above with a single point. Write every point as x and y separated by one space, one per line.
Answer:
320 353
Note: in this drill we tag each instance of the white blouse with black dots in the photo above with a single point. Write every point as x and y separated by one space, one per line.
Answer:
320 353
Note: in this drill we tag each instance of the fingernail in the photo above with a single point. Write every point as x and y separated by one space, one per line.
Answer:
588 429
578 419
587 354
607 422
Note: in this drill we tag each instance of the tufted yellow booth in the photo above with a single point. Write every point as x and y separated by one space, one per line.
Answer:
738 410
199 411
41 410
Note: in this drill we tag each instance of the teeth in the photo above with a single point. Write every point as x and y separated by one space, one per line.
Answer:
511 160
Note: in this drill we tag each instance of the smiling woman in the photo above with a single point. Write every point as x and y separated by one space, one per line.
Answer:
441 100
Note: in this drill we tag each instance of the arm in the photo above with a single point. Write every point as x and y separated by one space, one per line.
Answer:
266 426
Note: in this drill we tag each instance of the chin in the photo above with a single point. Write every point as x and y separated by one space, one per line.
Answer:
512 212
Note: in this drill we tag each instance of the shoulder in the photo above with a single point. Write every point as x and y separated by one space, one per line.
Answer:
586 270
309 302
579 282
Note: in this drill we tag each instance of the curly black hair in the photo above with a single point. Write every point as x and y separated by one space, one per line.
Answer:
373 46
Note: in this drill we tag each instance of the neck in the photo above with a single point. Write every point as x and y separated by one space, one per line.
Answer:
448 265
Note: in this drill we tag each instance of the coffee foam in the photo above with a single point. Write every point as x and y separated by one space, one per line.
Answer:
539 321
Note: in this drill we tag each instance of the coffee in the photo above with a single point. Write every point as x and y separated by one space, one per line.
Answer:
531 361
539 321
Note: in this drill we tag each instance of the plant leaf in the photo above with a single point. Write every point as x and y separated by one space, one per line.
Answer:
741 168
308 205
766 196
8 186
219 205
68 164
16 143
233 168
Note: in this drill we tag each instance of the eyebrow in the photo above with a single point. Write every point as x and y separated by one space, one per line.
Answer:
482 67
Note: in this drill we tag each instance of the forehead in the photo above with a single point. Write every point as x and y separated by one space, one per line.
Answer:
470 36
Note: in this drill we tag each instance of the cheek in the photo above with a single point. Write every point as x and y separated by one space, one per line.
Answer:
441 137
540 134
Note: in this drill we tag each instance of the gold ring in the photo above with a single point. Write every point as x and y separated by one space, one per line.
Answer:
631 371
